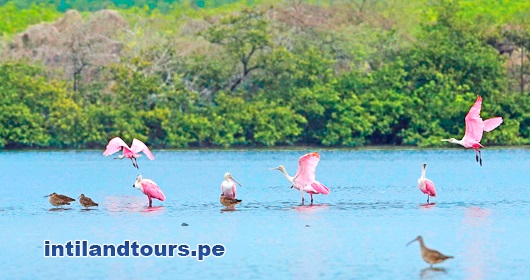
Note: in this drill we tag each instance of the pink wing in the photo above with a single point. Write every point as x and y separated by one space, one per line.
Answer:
115 144
319 188
307 165
474 126
491 124
151 189
139 146
429 187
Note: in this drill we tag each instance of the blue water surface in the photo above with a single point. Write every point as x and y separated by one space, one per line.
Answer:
359 231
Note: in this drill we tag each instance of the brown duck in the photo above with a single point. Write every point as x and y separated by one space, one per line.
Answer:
86 201
429 255
59 199
228 201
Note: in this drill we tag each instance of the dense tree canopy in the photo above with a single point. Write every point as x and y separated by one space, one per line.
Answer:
181 74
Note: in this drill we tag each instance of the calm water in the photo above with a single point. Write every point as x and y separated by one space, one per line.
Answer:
359 230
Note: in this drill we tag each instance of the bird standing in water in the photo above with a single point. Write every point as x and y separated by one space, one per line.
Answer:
116 144
425 185
228 191
149 188
475 126
59 199
429 255
86 201
304 180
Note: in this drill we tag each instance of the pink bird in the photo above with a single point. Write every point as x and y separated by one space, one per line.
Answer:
116 144
425 185
228 186
149 188
475 126
304 180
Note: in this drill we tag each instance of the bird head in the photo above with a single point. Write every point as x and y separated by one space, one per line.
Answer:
137 184
229 176
82 195
451 140
281 168
419 238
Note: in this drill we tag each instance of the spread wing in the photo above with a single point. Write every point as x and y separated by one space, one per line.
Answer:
491 124
474 125
115 144
307 165
139 146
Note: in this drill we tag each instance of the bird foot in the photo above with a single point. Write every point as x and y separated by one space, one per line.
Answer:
476 157
480 162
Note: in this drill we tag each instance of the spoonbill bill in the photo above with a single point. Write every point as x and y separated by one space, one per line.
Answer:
86 201
425 185
149 188
429 255
59 199
304 180
228 191
116 144
475 126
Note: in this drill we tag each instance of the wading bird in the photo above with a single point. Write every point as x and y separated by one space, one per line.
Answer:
59 199
429 255
116 144
228 191
475 126
304 180
425 185
86 201
149 188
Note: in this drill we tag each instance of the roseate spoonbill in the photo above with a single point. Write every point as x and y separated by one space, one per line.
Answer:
228 191
59 199
475 126
86 201
429 255
149 188
304 180
116 144
425 185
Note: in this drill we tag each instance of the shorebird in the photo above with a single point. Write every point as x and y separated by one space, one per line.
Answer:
59 199
304 180
149 188
429 255
425 185
228 191
117 144
86 201
228 201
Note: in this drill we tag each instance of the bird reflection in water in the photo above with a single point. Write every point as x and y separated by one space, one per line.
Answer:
311 208
432 272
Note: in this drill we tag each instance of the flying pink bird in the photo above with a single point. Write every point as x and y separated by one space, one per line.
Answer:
149 188
116 144
475 126
304 180
425 185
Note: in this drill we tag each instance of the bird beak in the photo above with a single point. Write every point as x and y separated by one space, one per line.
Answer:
133 185
446 140
232 178
78 197
275 168
45 196
412 241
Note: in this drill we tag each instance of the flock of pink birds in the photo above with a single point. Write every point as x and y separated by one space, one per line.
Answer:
304 179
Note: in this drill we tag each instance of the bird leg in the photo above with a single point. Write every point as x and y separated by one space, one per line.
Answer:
476 155
311 198
427 198
150 202
480 153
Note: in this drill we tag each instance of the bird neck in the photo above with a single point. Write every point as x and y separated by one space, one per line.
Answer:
289 178
423 170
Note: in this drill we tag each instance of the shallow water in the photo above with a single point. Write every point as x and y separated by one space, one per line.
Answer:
480 216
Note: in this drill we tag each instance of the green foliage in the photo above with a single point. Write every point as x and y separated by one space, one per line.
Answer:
247 73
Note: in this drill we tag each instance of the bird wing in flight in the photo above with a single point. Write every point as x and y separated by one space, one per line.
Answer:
474 125
139 146
115 144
